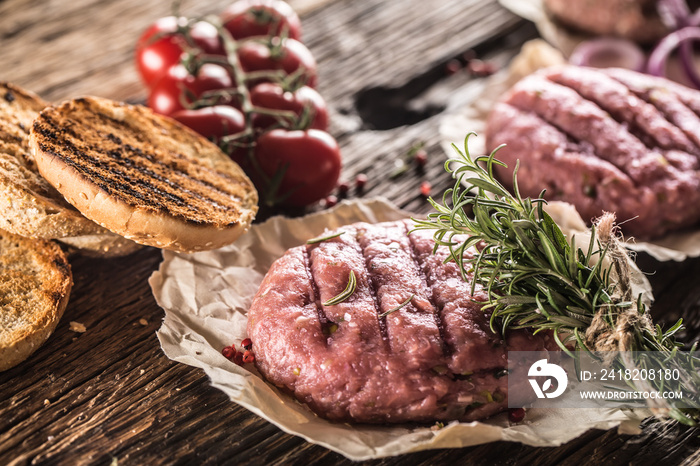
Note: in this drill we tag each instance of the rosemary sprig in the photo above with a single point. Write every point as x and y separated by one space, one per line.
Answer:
346 293
536 279
400 306
324 238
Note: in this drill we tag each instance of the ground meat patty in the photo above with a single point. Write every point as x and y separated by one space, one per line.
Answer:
605 140
637 20
434 359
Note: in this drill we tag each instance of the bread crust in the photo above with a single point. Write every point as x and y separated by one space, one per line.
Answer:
102 245
143 176
36 286
29 206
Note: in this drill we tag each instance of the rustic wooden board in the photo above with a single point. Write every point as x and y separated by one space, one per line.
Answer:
109 395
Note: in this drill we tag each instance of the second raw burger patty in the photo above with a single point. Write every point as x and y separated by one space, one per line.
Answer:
434 359
604 140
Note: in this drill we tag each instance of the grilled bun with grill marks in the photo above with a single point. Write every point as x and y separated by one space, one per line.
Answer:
29 205
143 176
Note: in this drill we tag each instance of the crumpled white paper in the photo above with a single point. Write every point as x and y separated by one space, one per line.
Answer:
534 10
471 116
206 296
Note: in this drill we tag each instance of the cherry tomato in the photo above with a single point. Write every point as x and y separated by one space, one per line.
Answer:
212 122
289 56
161 46
312 160
272 96
248 18
168 93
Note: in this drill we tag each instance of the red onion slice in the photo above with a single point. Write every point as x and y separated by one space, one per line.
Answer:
682 37
674 14
694 19
606 52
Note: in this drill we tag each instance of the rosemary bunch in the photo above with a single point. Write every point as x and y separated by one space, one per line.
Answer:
536 279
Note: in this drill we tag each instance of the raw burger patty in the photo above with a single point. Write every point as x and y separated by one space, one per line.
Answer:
637 20
604 140
434 359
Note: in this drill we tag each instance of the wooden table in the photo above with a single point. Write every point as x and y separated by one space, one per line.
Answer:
109 395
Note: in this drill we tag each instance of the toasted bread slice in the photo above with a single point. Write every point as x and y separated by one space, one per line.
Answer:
30 206
34 290
143 176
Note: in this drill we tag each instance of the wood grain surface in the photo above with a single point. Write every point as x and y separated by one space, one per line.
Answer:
109 395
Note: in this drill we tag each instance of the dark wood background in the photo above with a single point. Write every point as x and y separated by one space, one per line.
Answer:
109 395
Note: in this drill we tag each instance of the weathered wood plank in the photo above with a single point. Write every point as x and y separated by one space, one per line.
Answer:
110 393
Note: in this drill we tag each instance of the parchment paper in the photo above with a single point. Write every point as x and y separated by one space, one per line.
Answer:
534 11
471 116
206 296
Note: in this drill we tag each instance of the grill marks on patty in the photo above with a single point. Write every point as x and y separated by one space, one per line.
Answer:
464 326
605 140
413 334
356 319
679 104
390 267
122 167
434 359
437 310
641 117
616 126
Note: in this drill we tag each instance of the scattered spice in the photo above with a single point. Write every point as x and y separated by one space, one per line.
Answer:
240 357
481 68
425 188
421 158
248 356
343 188
360 181
516 415
452 67
437 426
77 327
330 201
229 352
487 394
469 55
332 329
